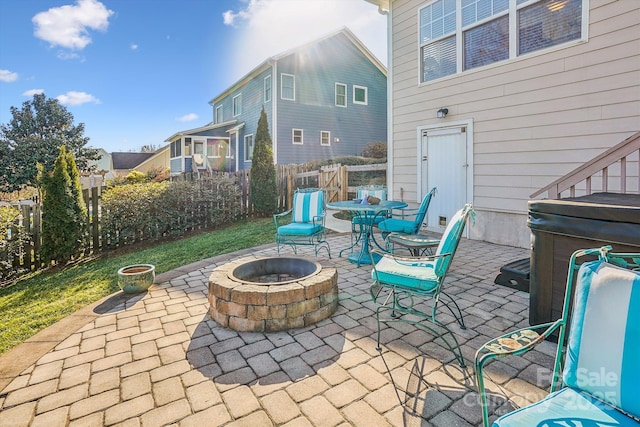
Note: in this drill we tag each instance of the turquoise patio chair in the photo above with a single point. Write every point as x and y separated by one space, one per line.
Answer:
408 221
403 283
596 379
363 192
306 226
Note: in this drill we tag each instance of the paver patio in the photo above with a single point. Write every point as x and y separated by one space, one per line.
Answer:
158 359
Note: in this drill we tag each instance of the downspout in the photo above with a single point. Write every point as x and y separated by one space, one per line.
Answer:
274 110
390 168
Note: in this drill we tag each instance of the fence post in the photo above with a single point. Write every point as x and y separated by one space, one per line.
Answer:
95 218
343 174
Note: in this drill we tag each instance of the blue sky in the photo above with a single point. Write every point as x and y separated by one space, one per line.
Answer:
137 71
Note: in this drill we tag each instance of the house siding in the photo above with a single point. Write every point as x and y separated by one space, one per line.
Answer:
535 118
335 60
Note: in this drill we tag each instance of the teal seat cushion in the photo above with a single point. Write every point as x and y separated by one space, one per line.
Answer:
299 229
410 276
567 407
393 225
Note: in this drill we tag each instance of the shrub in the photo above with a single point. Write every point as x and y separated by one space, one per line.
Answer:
63 213
263 187
135 177
376 150
151 211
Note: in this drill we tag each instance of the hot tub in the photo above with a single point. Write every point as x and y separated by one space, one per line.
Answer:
560 227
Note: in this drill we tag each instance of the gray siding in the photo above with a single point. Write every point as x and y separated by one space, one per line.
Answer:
252 103
535 118
334 60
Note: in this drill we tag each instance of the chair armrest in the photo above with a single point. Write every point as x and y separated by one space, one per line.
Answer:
319 219
402 213
517 342
280 215
408 260
514 343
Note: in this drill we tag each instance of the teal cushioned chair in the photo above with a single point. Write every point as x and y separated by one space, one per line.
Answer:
596 381
402 283
408 221
306 225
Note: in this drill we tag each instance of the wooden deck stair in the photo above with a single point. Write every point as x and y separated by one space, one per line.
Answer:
621 156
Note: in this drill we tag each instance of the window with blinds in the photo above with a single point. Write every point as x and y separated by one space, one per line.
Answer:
453 40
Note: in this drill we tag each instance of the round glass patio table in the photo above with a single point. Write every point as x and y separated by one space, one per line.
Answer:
367 215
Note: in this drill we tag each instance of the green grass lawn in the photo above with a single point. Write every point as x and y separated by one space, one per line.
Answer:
39 301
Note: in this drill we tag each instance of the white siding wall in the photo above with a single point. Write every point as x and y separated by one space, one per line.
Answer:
535 118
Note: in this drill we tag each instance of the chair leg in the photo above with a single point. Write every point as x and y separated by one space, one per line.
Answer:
395 308
459 318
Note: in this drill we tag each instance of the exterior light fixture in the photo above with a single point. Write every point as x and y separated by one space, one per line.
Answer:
442 113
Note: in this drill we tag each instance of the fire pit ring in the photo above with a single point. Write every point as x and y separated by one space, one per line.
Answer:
274 271
272 293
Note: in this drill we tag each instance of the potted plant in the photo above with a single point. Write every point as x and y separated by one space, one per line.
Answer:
136 278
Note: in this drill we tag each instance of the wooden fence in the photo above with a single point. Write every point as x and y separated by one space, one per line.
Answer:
335 179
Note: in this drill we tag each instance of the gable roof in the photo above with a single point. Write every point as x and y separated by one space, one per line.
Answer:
209 126
128 160
272 60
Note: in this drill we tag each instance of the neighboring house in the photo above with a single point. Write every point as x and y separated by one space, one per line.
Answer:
532 89
115 164
126 162
325 99
158 161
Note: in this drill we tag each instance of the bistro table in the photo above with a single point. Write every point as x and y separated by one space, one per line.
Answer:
417 244
367 215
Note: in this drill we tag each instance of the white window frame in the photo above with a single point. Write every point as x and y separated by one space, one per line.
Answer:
322 138
293 79
249 159
268 89
175 150
198 146
293 136
366 95
345 94
513 13
219 114
237 105
215 147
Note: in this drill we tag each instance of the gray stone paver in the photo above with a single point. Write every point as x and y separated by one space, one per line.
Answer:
158 359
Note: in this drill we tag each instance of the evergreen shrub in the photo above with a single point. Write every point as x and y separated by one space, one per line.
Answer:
154 210
64 220
263 187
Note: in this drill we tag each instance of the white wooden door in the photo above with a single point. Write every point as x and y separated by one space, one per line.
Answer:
444 166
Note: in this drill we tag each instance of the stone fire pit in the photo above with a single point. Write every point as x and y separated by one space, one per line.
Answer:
272 294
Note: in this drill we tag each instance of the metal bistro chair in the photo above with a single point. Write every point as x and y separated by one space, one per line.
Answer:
596 379
402 283
363 192
307 222
407 226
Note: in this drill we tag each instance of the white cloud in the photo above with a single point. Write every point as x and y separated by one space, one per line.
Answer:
32 92
8 76
68 26
188 117
133 46
77 98
299 22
